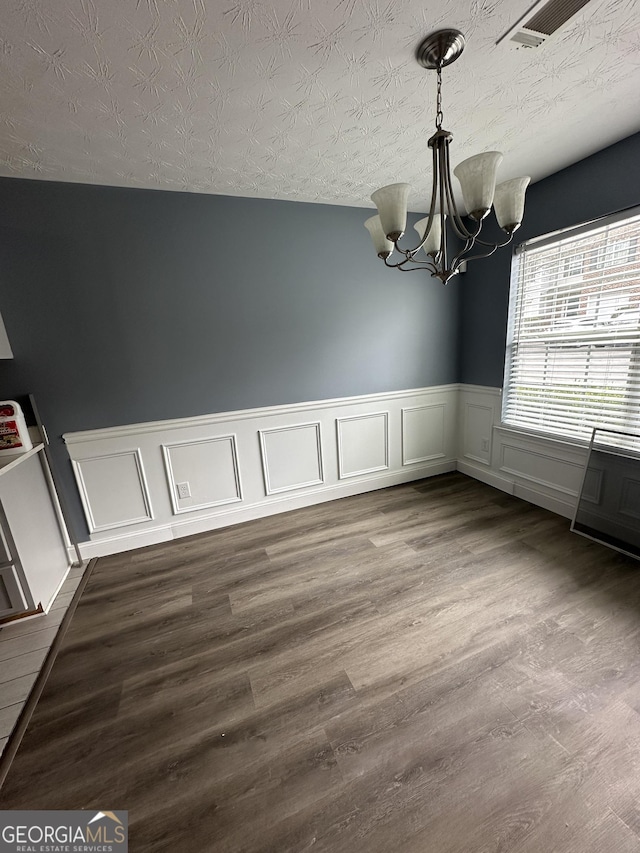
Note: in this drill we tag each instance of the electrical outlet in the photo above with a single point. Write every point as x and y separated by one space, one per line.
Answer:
183 490
484 444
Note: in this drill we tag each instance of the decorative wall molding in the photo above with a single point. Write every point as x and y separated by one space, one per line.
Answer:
630 498
593 484
281 458
363 444
265 461
423 433
71 438
128 492
478 432
480 390
126 541
542 470
219 469
521 461
291 457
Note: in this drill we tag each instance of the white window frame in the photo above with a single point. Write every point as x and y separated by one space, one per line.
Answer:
578 329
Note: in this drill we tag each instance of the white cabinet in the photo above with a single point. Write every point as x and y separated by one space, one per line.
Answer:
34 557
12 601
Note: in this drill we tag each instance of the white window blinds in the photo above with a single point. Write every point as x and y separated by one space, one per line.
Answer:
573 347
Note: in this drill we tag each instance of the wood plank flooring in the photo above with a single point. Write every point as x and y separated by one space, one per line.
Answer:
433 667
24 644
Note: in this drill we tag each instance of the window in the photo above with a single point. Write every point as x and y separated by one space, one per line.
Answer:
573 348
572 265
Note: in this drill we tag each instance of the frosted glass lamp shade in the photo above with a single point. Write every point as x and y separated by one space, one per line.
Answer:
432 246
391 202
382 246
509 203
477 176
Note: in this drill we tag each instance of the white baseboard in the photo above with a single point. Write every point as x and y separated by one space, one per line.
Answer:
485 475
553 504
58 588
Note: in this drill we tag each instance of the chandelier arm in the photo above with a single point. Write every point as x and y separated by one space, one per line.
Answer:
469 244
417 265
432 207
442 180
497 245
458 225
398 265
494 248
429 267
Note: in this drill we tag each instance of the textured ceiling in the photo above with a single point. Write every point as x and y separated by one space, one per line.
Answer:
313 100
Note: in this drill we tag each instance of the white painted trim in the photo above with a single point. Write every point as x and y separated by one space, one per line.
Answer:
536 480
626 483
125 542
597 497
403 411
168 467
533 496
549 440
367 415
84 495
259 499
269 489
58 588
485 476
472 456
239 514
71 438
480 389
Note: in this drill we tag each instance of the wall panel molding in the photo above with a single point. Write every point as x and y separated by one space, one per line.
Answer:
291 457
217 459
542 470
477 431
113 489
423 430
244 465
82 436
363 444
264 461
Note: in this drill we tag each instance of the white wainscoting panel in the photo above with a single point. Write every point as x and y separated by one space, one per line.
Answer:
545 471
113 489
541 468
478 432
423 433
592 486
291 457
363 444
210 469
255 462
630 498
479 412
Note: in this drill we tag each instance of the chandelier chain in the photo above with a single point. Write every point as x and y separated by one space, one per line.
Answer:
439 114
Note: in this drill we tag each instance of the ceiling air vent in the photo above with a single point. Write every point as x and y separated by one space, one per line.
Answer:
541 21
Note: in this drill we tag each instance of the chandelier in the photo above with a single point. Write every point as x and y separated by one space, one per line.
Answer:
477 177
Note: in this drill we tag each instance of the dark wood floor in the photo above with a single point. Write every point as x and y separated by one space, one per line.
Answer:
433 667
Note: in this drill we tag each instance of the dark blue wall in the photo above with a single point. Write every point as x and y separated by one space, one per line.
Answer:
127 305
603 183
